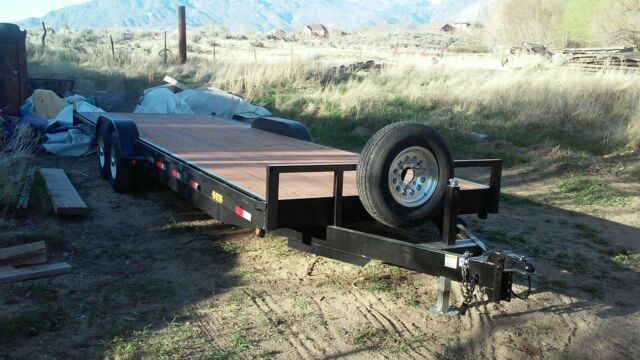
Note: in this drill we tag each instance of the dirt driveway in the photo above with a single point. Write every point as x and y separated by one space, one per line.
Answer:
154 277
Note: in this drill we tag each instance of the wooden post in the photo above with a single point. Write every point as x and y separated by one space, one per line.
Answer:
395 53
182 35
165 47
214 54
113 50
44 35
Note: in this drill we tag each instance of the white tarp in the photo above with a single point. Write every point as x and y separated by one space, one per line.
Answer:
220 103
162 101
73 142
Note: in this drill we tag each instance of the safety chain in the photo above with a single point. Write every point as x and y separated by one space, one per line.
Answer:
468 284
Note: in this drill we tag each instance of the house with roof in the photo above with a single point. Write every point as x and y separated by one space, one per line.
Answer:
315 30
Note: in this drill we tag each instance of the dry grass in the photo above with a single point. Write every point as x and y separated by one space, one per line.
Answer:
15 153
545 105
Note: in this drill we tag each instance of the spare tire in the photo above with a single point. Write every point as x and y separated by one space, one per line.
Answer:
402 174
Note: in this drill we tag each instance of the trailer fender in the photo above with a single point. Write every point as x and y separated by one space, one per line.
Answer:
127 133
290 128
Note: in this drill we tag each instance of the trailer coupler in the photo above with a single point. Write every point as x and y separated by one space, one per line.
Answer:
504 264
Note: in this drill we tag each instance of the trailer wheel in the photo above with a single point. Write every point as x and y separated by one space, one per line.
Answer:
103 147
121 175
402 174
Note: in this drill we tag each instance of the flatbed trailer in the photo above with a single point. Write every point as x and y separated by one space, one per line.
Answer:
269 176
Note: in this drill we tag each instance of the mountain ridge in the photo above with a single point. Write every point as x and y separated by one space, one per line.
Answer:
261 15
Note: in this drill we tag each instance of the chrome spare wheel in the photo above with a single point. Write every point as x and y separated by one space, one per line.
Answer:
101 154
113 165
413 176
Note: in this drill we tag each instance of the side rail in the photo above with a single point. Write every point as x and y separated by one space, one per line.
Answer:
273 187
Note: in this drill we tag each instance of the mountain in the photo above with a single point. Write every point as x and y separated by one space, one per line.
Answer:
241 15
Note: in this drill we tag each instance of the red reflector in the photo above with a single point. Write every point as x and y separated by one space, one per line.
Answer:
194 185
174 173
160 165
243 213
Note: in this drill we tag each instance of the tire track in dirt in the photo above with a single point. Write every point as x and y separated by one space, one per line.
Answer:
310 343
569 322
387 314
482 331
387 323
302 351
208 329
334 336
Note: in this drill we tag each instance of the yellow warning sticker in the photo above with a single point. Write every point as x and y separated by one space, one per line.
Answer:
217 197
451 261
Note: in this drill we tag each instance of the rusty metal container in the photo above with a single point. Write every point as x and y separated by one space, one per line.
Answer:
13 68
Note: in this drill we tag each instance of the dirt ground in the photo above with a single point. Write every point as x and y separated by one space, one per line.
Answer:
154 277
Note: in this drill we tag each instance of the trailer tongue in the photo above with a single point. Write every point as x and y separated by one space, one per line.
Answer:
268 176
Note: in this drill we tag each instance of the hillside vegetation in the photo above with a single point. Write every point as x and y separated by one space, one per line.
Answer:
595 113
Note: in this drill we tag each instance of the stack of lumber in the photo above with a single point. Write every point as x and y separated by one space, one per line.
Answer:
28 261
603 57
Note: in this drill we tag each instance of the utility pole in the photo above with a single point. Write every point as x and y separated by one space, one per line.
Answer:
182 35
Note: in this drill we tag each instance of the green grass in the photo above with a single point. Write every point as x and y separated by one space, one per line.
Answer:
628 260
301 303
587 191
128 347
31 322
238 343
376 276
369 336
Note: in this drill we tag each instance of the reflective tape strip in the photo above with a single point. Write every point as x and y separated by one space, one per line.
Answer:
243 213
176 174
194 185
161 165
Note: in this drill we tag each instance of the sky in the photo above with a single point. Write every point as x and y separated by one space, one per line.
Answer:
15 10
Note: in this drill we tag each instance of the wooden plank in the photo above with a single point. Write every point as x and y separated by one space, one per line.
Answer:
27 254
175 83
10 274
25 194
65 199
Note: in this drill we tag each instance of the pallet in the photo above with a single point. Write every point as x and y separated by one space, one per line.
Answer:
10 274
65 199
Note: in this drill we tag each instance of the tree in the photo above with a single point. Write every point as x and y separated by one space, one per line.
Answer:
515 21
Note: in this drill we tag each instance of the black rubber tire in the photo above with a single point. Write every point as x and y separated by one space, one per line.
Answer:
123 181
104 135
373 171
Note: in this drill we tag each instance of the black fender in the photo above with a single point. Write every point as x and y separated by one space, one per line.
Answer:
290 128
127 134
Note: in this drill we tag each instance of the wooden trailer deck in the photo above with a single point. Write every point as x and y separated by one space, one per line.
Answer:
239 154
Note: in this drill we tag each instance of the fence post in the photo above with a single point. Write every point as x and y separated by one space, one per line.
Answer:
182 35
215 63
44 35
113 51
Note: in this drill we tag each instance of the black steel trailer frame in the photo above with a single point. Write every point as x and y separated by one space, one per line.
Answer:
323 226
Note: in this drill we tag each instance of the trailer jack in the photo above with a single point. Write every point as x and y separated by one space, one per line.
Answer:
504 262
